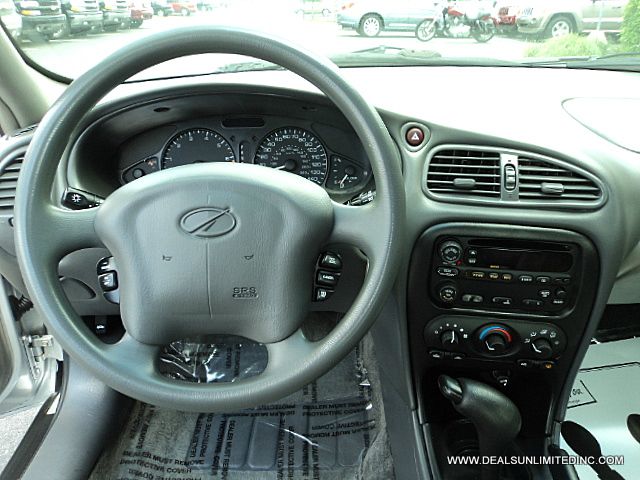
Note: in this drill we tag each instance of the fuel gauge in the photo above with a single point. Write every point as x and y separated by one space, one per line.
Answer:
345 175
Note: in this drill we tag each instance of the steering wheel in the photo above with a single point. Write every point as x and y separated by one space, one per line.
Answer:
180 238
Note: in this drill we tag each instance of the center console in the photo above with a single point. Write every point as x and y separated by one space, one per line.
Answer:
502 305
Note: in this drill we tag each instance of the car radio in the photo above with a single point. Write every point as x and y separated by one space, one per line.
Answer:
505 274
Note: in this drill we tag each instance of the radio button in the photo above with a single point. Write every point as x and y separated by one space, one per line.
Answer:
525 278
507 277
505 301
531 302
448 293
470 298
562 280
543 279
561 293
544 293
557 301
476 275
494 275
447 271
472 260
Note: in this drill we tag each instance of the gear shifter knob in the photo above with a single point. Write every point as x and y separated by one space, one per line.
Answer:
496 418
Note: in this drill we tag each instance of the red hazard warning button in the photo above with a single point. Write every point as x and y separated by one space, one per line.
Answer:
414 136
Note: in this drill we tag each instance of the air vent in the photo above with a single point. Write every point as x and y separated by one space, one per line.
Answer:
465 173
8 182
545 181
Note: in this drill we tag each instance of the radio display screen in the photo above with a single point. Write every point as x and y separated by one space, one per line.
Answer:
534 261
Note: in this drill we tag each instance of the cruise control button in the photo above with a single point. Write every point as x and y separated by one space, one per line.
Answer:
106 265
108 281
447 271
330 260
543 279
506 301
327 278
322 294
525 278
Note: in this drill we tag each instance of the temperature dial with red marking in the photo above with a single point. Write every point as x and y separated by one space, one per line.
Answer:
495 339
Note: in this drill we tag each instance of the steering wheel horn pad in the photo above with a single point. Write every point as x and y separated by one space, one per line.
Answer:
282 220
215 248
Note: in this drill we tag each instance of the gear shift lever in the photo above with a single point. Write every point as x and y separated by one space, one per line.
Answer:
495 416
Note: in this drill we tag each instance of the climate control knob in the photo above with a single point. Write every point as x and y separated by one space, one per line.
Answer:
450 251
495 339
542 348
448 338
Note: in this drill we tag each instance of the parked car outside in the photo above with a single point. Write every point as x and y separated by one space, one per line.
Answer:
183 7
371 17
161 8
115 13
140 11
325 8
42 20
550 18
82 15
10 18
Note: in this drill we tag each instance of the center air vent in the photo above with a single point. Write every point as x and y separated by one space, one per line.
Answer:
8 181
540 180
492 175
465 172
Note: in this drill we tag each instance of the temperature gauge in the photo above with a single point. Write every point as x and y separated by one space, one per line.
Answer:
345 175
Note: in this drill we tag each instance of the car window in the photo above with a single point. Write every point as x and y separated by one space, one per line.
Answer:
68 37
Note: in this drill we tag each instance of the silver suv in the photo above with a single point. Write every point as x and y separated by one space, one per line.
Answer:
556 18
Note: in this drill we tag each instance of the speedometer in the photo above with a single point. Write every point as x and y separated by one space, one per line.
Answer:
197 145
295 150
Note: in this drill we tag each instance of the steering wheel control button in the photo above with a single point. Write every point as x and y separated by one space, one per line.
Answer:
414 136
330 260
108 281
329 279
106 265
322 294
447 271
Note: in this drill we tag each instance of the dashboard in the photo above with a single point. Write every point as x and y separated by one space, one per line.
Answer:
518 215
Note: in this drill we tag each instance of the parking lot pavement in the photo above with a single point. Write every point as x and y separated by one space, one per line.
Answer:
12 429
72 56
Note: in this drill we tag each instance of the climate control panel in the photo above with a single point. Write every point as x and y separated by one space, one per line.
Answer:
527 344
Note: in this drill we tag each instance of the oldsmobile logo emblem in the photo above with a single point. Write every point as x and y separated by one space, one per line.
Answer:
207 222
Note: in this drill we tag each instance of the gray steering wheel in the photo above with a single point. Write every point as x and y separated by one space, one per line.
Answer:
206 218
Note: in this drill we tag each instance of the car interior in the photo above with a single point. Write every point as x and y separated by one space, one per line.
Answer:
381 272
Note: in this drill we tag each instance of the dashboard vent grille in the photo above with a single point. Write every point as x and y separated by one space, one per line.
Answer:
8 182
465 172
540 180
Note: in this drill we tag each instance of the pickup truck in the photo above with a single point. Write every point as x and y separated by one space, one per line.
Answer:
82 15
42 20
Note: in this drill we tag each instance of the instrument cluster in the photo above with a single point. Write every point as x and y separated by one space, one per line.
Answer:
289 147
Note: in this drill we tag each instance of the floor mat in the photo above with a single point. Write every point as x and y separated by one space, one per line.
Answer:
332 429
606 391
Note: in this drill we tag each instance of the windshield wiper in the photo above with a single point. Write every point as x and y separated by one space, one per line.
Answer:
612 61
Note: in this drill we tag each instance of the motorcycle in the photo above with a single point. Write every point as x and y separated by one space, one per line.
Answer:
457 22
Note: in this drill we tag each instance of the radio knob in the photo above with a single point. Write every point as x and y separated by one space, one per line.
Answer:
450 251
447 293
495 339
449 337
542 348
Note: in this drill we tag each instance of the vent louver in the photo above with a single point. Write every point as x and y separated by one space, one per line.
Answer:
465 173
8 182
546 181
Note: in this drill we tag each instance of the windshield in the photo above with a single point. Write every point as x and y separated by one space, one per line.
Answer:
68 37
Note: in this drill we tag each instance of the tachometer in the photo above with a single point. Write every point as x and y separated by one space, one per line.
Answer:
197 145
294 150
